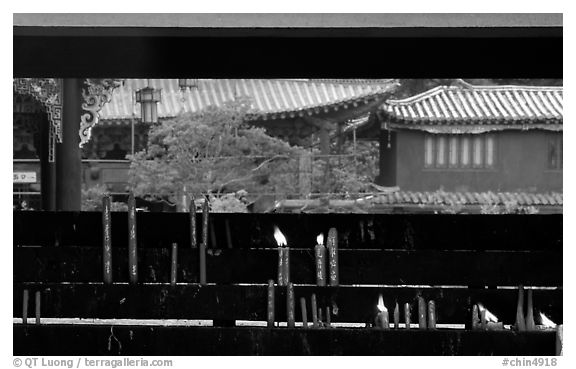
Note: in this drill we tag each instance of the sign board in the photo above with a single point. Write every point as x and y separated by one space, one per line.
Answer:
24 177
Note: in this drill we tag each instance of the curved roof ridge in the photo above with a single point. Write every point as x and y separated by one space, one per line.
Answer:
468 86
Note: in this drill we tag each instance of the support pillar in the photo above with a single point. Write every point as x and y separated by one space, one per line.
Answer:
388 159
325 150
68 158
47 169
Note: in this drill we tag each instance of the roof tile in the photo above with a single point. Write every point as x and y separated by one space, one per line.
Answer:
479 104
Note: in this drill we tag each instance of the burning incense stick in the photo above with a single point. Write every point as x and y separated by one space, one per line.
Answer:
192 212
204 244
107 240
382 319
407 315
421 313
333 256
38 306
431 314
283 258
25 298
396 316
475 317
270 304
320 253
320 324
314 311
530 325
290 315
304 313
132 242
174 264
520 324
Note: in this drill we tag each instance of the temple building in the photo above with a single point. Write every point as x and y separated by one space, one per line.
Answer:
300 111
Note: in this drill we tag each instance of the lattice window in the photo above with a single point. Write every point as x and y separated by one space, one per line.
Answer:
460 151
555 151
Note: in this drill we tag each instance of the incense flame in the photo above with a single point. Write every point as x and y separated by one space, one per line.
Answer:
381 305
489 316
546 322
320 239
280 239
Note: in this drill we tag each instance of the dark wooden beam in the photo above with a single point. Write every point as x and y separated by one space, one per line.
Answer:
249 302
228 266
375 231
92 340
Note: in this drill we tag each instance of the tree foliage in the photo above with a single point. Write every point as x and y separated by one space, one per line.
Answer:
214 151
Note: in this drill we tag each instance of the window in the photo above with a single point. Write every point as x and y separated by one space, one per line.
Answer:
555 152
460 151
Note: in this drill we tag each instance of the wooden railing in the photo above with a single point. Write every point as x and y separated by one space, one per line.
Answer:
455 260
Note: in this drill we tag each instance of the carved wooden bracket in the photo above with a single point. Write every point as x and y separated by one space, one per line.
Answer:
49 92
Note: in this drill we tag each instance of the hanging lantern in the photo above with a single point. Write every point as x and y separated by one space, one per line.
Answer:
187 83
148 98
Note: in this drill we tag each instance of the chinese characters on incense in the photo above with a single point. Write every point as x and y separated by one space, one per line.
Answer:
132 242
106 240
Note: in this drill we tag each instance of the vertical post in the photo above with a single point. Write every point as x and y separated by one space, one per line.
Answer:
314 308
228 233
304 313
290 306
421 313
107 240
47 169
270 304
431 314
286 262
332 246
38 306
530 325
204 243
132 242
174 264
25 298
387 160
407 319
520 320
68 159
132 143
304 175
192 210
325 151
396 316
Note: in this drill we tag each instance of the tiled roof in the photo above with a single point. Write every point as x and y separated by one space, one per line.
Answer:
272 98
465 104
468 198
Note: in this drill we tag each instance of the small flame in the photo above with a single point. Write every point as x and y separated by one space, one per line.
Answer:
489 316
381 305
546 322
320 239
280 239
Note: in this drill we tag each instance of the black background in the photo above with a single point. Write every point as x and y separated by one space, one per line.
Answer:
110 52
